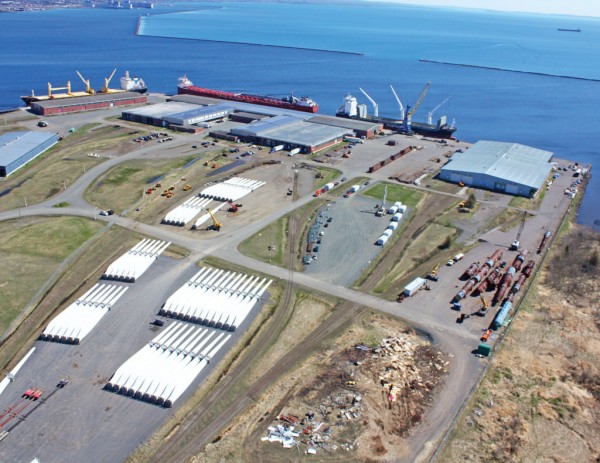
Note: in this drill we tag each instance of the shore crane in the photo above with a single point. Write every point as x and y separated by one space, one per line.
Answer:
399 102
216 225
430 113
375 105
107 80
411 110
86 82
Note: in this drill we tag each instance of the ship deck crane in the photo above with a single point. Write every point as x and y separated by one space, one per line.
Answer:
88 88
399 102
107 80
375 105
430 113
516 243
216 225
51 88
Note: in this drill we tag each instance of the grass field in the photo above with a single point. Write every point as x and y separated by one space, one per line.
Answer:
30 251
274 235
62 164
395 193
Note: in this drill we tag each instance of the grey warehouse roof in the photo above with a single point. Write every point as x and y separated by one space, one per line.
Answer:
161 110
291 130
509 161
13 145
344 122
200 111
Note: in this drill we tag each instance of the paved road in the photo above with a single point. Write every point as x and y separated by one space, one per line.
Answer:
450 337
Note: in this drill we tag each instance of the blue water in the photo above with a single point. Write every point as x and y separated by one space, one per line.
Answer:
382 44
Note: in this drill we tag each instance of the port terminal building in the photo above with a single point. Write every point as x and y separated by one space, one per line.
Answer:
64 105
503 167
18 148
290 132
176 113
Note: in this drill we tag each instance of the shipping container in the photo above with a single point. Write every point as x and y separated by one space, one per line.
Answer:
382 240
397 217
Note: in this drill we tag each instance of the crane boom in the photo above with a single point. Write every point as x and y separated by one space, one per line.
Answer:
423 93
375 105
399 102
216 224
430 113
107 80
88 88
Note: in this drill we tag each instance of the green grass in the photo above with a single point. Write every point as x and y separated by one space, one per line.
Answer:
30 251
327 175
274 235
62 204
395 193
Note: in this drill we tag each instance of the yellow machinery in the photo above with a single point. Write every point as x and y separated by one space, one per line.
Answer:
187 187
414 108
433 276
50 89
485 303
216 224
88 88
105 88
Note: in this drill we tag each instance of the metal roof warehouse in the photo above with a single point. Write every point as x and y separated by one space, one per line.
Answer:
504 167
18 148
292 133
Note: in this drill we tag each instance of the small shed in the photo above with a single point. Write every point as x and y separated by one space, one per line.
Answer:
414 286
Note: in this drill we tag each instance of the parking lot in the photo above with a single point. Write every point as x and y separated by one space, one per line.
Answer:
83 422
348 245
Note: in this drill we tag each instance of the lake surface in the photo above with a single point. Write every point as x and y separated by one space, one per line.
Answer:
326 51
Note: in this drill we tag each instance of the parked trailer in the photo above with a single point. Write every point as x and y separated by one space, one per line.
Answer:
397 217
414 286
354 188
294 151
277 148
382 240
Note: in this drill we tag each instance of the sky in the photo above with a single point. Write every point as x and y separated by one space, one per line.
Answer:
568 7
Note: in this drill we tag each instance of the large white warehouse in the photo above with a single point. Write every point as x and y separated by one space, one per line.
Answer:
504 167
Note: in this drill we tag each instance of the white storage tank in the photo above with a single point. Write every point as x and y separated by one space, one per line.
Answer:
382 240
387 232
354 188
393 225
393 210
397 217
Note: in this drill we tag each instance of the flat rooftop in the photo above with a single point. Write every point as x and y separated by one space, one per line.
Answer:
161 110
344 122
13 145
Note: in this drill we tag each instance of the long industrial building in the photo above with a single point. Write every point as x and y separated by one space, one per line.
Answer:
176 113
291 132
87 103
503 167
18 148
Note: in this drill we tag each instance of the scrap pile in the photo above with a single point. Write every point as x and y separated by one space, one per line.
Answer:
315 430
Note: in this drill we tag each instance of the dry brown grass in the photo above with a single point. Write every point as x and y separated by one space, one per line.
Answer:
540 400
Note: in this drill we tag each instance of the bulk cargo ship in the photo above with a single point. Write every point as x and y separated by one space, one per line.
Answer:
352 110
127 85
186 87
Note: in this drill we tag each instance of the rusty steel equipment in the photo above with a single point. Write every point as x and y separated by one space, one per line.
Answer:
544 241
520 259
506 281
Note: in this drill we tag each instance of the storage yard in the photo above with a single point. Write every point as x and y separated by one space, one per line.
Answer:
122 353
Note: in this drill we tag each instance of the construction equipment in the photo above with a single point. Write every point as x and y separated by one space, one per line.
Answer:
484 307
430 113
375 105
399 102
433 276
214 166
516 243
187 187
205 163
216 225
232 207
105 88
486 335
88 88
380 212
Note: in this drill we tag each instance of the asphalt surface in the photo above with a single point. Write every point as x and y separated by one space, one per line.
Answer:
105 422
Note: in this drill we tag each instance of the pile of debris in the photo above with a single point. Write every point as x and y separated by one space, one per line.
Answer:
315 429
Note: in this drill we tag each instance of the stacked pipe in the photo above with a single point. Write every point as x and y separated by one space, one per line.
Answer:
506 281
131 265
185 212
544 241
470 271
479 276
231 190
501 315
519 260
524 275
488 281
76 321
216 298
162 370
